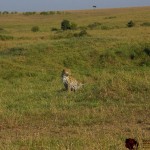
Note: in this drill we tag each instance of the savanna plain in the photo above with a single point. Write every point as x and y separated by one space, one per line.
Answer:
108 50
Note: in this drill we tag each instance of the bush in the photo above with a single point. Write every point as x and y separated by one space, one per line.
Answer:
54 29
147 51
35 29
29 13
65 25
52 12
81 33
44 13
5 12
94 25
130 24
6 37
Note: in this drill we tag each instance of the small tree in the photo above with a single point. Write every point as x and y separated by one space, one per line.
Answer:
65 25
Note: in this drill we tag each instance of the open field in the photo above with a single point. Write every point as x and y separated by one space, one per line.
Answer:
113 61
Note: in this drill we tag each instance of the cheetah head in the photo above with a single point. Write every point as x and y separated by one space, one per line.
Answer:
66 72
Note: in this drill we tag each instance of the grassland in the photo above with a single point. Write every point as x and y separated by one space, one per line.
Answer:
113 61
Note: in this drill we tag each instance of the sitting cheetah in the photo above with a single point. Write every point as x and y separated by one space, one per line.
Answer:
69 82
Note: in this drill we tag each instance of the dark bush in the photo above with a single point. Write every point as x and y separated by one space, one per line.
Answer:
29 13
81 33
44 13
52 12
130 24
65 25
35 29
147 51
54 29
5 12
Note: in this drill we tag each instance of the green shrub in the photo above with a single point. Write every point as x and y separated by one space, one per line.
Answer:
29 13
52 12
35 29
147 51
6 37
5 12
94 25
81 33
65 25
44 13
130 24
54 29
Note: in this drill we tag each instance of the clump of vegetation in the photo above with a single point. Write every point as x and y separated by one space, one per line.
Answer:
111 17
94 25
67 25
81 33
52 12
130 24
14 12
5 12
35 29
54 29
147 51
29 13
6 37
44 13
146 24
15 51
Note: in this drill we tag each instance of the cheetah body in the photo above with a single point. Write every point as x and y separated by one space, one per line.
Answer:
69 82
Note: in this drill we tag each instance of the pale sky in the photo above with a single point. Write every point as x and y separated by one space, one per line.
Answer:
50 5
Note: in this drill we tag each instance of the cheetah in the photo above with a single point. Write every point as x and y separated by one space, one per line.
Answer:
70 83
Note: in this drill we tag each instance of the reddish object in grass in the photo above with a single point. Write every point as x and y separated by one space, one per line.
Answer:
131 144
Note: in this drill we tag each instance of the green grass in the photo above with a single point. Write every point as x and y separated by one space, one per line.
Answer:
114 63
